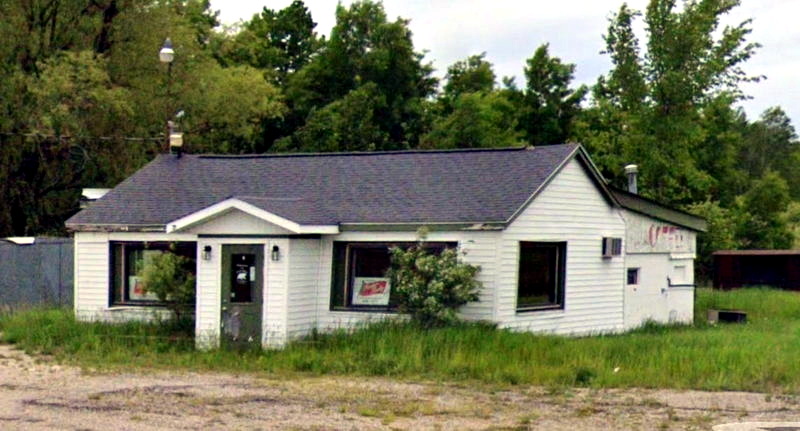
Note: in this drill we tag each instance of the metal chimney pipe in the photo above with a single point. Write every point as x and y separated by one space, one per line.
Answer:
632 172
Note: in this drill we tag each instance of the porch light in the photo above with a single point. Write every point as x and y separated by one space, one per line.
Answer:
207 252
276 253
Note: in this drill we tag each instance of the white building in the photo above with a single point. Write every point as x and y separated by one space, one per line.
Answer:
283 244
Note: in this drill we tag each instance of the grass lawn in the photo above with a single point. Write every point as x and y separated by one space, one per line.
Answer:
762 355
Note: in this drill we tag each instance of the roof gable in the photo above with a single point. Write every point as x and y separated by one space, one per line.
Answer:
226 206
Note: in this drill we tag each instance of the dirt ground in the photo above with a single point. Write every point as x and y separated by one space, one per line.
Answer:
39 394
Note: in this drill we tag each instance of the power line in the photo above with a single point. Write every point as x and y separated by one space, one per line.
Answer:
98 138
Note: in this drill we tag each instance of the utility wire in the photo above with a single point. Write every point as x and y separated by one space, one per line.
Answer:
98 138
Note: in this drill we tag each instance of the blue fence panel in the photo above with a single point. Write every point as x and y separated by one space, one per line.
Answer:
36 274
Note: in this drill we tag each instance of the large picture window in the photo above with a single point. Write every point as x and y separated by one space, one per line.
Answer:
127 263
541 275
359 275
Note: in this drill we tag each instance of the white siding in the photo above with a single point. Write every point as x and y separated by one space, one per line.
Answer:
304 287
297 287
208 294
92 279
653 299
570 209
480 248
237 222
276 295
93 276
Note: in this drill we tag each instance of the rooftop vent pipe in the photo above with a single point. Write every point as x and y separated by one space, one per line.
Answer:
631 171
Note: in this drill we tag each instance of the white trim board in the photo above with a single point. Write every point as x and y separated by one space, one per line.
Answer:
223 207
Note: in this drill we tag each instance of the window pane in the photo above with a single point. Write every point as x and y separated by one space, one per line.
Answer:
243 277
136 260
540 275
339 275
633 275
370 286
127 264
118 272
359 274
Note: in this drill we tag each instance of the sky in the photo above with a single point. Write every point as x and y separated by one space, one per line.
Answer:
509 31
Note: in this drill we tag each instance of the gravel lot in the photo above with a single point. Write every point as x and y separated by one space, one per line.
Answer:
39 394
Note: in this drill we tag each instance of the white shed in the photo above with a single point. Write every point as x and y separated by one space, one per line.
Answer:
284 244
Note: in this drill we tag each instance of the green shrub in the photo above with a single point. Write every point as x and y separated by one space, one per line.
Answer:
431 287
170 277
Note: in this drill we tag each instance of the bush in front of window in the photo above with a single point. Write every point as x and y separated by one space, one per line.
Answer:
431 287
169 277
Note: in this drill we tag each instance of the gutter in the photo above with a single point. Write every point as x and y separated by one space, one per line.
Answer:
116 227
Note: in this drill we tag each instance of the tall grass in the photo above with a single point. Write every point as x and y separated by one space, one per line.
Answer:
761 355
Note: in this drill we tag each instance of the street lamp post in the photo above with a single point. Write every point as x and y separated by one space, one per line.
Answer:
167 55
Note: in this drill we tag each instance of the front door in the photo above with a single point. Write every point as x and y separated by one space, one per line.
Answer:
242 293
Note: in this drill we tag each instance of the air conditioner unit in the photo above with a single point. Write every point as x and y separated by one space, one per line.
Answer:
612 247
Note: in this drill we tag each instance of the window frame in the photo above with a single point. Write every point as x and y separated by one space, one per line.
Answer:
560 271
345 281
114 289
637 272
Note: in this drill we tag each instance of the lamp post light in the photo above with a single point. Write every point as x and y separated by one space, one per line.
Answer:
167 55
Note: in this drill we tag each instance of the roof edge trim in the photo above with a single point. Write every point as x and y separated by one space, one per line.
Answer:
594 174
358 153
222 207
672 215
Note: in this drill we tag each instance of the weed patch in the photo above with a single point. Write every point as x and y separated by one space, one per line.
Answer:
758 356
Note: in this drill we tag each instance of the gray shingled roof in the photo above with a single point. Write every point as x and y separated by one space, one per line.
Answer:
328 189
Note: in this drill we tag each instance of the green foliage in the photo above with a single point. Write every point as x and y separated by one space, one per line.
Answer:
549 104
279 41
653 103
720 235
170 277
215 125
758 356
348 124
762 225
80 77
432 287
477 120
364 48
771 144
472 75
77 78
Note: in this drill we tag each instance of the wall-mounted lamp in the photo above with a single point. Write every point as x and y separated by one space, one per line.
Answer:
207 252
276 253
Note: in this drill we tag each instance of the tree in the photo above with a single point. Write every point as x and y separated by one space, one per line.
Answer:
71 99
197 85
721 234
281 42
472 75
549 104
432 287
658 98
213 124
762 225
348 124
365 47
84 100
771 144
477 120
